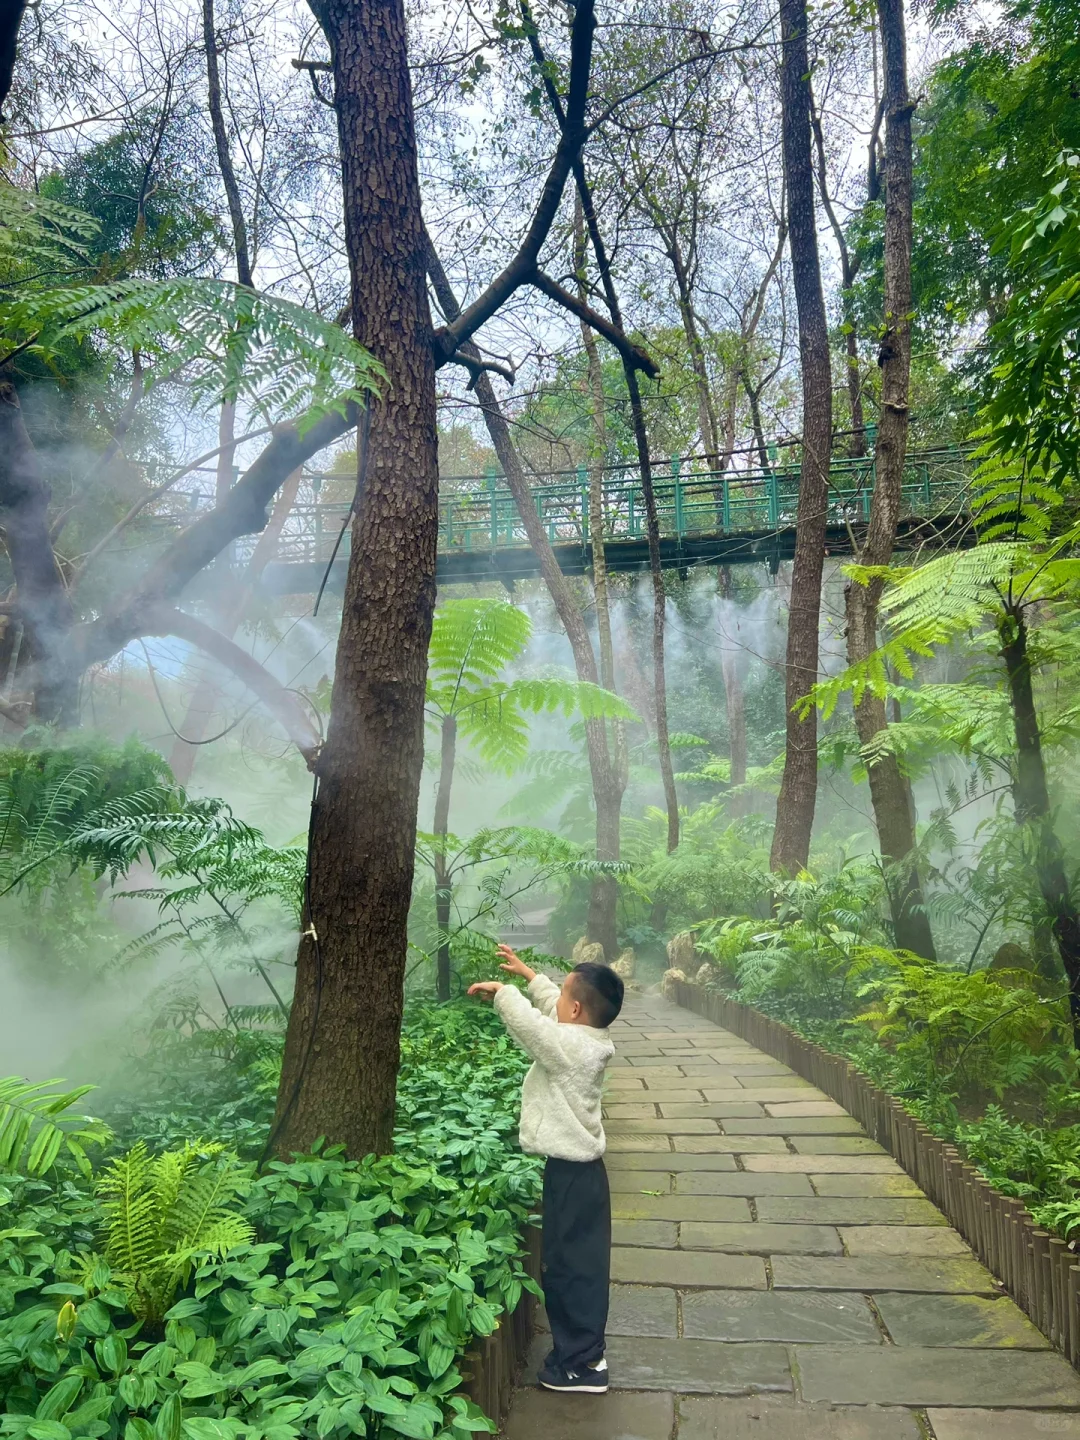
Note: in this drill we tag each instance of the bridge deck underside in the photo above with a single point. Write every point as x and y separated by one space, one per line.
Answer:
507 564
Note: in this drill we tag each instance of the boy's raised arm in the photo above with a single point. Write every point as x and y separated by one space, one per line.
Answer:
537 1034
542 992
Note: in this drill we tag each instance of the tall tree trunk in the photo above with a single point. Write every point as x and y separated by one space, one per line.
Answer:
43 601
798 788
342 1046
890 793
441 826
201 705
601 925
1031 802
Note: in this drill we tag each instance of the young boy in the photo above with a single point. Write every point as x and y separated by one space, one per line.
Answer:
567 1036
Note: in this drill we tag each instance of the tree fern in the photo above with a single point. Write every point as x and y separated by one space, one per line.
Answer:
228 342
38 234
472 643
162 1211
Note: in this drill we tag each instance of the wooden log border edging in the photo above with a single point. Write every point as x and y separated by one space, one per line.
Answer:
1036 1268
490 1368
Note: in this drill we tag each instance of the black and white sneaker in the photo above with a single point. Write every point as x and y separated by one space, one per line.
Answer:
591 1380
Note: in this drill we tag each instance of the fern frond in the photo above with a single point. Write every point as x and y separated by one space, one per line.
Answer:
34 1127
229 341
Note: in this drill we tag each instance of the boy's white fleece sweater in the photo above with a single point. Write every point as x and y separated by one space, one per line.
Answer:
560 1100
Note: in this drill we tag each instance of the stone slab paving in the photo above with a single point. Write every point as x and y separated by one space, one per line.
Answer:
1003 1425
777 1276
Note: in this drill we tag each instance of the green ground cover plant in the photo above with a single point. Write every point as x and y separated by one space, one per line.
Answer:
179 1291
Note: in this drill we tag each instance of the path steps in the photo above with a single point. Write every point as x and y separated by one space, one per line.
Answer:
777 1276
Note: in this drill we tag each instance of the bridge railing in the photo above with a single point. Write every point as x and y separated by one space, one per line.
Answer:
691 501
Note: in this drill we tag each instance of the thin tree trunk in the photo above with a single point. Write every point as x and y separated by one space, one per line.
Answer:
601 925
652 523
735 702
221 141
798 788
342 1046
227 419
200 708
44 604
1031 802
848 271
890 792
596 515
707 424
441 826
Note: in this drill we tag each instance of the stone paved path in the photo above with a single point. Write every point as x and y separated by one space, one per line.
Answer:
777 1276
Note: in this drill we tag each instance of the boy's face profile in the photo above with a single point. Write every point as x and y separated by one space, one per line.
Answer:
568 1007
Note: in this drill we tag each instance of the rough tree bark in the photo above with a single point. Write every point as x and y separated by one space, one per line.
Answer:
890 793
341 1050
798 788
1031 803
342 1046
601 926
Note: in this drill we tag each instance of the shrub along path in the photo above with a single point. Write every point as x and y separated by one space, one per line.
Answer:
776 1275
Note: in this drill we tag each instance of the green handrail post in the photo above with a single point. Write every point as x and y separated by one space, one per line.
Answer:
631 518
926 485
725 507
583 485
773 491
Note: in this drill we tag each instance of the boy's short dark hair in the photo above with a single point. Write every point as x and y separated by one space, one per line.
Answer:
600 992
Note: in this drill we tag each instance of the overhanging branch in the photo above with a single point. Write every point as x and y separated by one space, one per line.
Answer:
572 135
281 703
242 512
634 355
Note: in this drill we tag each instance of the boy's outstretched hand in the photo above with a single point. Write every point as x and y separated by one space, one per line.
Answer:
513 964
486 989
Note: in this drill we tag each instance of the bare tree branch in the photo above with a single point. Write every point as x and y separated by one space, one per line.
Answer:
572 135
281 702
477 367
634 355
243 512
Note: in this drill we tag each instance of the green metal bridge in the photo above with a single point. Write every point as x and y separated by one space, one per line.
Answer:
706 518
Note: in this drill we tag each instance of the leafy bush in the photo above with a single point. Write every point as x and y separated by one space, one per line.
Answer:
989 1030
346 1311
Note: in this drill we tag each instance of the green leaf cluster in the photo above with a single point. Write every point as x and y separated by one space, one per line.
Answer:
324 1298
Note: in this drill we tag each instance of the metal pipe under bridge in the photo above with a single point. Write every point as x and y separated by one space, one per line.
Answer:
706 518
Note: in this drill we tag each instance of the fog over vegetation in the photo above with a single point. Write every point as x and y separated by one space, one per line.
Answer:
599 476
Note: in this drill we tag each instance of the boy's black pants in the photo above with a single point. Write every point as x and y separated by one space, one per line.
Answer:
576 1259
